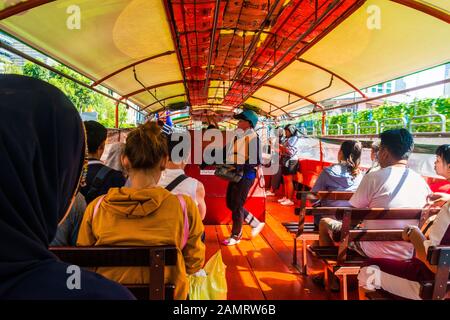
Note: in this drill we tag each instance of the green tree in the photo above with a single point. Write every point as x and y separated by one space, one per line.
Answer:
83 98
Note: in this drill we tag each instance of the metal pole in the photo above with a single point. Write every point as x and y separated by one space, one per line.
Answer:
117 115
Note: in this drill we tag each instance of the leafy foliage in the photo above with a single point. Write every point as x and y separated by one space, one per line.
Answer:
83 98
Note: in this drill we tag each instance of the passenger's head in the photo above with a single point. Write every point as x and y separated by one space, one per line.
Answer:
290 130
442 163
113 159
145 151
395 147
211 126
280 132
160 123
350 153
374 148
96 138
247 119
42 156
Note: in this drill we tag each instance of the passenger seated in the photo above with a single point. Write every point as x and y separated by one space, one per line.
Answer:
289 152
374 148
402 278
42 153
67 232
343 176
145 214
113 159
393 186
100 178
174 177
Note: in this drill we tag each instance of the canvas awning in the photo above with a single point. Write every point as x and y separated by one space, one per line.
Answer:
366 43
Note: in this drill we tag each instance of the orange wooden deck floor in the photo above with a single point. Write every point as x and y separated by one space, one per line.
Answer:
261 268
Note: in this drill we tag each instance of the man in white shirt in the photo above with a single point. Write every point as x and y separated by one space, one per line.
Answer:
393 186
173 177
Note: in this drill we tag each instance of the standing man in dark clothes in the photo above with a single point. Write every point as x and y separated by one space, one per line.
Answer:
100 178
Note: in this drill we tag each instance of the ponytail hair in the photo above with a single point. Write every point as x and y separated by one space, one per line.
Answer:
146 146
352 150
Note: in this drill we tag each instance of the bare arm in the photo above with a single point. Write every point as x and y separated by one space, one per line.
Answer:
416 237
438 198
200 195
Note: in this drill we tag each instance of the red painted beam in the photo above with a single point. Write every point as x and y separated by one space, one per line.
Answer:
436 13
152 87
334 74
130 66
21 7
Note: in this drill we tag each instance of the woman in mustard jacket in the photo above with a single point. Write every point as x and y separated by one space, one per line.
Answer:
146 215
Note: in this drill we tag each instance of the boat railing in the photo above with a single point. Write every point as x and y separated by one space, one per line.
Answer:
442 122
333 127
393 123
364 125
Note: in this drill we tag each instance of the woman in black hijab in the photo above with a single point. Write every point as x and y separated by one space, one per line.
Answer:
41 160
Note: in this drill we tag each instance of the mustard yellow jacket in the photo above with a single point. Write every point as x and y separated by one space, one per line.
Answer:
146 217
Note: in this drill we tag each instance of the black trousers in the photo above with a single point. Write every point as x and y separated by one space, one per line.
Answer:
237 193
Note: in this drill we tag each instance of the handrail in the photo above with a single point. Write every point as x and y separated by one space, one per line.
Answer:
376 126
353 124
338 126
383 125
442 123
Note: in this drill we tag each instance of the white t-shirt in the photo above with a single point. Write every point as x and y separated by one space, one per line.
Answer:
187 187
391 187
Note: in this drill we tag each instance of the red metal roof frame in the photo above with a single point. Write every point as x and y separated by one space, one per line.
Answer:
211 46
254 42
232 39
332 26
173 32
28 5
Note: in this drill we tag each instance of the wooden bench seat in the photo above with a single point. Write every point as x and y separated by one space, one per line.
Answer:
155 258
437 289
341 257
305 231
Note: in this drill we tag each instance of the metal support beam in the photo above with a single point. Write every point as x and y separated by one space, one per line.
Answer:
438 14
292 93
21 7
126 96
334 74
211 46
62 74
130 66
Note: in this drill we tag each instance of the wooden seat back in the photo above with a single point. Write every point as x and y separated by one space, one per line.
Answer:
154 258
439 288
351 217
305 196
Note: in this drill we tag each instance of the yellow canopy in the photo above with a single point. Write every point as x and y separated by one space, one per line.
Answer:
380 41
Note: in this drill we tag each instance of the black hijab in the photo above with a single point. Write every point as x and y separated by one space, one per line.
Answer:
41 158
